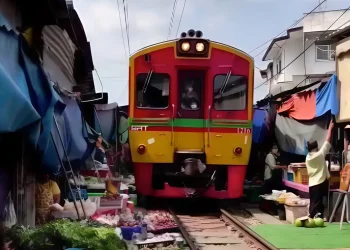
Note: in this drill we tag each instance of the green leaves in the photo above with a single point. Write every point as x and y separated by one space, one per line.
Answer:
65 234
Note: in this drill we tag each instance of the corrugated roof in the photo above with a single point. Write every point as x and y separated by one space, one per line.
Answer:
58 49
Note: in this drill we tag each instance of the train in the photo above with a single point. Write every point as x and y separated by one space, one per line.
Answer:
190 118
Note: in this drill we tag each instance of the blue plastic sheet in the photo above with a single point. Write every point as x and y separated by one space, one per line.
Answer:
259 127
70 124
326 98
16 110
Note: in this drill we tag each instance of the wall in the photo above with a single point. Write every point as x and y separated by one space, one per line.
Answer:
314 66
343 73
320 21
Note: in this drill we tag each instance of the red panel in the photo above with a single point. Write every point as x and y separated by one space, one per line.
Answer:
143 178
235 181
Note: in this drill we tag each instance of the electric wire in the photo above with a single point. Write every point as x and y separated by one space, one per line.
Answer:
172 19
182 12
304 49
122 30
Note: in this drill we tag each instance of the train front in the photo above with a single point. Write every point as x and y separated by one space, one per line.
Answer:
190 118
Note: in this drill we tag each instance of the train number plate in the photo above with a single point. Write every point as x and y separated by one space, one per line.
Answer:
138 128
244 130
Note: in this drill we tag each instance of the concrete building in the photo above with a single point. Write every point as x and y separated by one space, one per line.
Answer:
289 66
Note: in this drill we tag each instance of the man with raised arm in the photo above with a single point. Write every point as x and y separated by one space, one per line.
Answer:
318 172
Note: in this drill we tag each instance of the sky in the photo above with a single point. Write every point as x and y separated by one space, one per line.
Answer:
244 24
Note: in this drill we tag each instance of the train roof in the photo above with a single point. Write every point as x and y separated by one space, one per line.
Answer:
175 40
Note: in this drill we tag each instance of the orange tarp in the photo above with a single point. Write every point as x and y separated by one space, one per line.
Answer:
301 106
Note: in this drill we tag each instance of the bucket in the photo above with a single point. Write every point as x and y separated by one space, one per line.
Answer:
128 232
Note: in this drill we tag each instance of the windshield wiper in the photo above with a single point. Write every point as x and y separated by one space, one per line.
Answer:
225 83
148 79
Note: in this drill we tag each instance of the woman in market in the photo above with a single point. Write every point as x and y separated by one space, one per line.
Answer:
47 193
272 173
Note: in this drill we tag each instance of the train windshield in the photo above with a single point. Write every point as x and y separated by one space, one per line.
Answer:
152 90
231 93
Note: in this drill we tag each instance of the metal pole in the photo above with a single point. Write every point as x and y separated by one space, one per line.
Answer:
98 120
65 172
70 166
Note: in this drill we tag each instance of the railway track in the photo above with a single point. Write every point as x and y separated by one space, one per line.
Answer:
220 230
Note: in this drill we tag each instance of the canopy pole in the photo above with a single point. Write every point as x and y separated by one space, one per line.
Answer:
71 169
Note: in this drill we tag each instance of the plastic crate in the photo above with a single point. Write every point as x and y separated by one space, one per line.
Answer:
83 193
290 176
301 176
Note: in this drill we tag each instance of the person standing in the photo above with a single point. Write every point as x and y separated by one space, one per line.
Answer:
272 173
318 172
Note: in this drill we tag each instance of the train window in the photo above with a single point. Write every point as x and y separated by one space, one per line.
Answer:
152 90
190 94
230 94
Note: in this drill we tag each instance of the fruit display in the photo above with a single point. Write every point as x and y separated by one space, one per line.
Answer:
309 222
159 220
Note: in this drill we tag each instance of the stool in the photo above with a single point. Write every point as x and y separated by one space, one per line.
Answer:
343 196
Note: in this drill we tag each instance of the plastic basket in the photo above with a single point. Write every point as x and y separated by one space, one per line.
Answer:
83 193
301 176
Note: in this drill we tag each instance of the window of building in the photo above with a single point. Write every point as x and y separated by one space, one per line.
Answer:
325 52
279 64
230 94
152 90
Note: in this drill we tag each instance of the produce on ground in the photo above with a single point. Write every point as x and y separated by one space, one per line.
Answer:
63 234
319 222
159 220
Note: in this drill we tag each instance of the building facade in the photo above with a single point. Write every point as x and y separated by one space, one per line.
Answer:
289 65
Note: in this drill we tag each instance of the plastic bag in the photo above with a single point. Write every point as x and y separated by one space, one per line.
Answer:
10 217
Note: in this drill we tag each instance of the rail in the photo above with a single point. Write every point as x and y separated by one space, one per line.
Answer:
251 234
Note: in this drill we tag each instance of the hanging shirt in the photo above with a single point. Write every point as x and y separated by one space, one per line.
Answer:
316 165
270 164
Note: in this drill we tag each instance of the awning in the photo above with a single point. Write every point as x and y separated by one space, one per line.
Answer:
70 123
307 105
292 135
301 106
259 126
106 120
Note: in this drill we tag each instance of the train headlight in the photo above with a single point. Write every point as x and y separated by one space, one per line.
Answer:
237 151
200 47
185 46
141 149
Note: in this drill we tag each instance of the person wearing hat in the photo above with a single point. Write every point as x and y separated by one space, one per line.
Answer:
318 172
272 173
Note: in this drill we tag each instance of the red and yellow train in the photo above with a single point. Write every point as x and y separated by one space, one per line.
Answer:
190 118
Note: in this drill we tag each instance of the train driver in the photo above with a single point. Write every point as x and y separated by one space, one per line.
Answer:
190 98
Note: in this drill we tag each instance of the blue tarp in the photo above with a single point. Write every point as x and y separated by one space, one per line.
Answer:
326 98
17 111
28 102
70 124
259 127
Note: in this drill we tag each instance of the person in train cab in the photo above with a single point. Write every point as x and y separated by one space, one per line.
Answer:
273 173
318 172
100 153
190 98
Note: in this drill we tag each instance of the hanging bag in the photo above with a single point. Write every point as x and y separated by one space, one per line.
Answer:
10 218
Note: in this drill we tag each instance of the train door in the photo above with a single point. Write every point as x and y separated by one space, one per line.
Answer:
228 129
190 112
